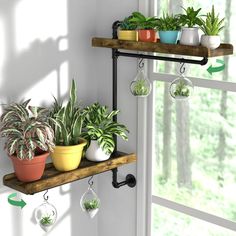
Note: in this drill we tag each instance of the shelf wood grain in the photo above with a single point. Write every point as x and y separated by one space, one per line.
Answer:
177 49
53 178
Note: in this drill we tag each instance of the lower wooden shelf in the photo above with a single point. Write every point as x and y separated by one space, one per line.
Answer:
53 178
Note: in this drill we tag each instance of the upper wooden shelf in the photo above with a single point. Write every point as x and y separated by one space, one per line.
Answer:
53 178
197 51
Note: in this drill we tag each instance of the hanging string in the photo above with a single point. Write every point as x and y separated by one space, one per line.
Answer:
90 181
44 195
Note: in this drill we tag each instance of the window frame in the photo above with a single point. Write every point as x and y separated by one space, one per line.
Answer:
145 139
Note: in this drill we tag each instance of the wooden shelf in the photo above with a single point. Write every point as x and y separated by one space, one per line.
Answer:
53 178
197 51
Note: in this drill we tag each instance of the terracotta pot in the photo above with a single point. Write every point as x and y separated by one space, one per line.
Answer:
147 35
29 170
67 158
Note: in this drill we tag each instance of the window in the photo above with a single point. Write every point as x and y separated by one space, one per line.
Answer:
193 143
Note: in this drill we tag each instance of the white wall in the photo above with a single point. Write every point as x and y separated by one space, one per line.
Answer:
32 65
118 212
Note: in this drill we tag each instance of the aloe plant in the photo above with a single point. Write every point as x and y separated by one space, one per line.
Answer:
190 17
99 125
143 22
26 130
168 23
212 25
91 204
67 121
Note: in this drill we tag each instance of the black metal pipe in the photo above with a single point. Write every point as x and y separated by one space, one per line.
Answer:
161 58
130 180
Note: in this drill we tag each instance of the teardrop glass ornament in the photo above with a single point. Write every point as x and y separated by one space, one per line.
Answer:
181 88
90 202
140 86
46 216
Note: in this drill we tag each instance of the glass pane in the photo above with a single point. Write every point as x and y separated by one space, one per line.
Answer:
227 9
166 222
195 154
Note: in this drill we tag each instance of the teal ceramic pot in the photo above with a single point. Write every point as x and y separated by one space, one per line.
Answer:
170 37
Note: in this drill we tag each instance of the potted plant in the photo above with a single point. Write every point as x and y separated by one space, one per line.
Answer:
91 206
127 30
168 28
29 138
67 123
189 34
146 27
140 87
99 129
211 27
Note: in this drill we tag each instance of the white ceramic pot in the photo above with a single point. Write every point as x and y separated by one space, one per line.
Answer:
95 153
190 36
211 42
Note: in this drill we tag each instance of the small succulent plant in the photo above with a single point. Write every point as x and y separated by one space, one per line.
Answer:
168 23
140 88
26 130
46 221
126 24
181 89
91 204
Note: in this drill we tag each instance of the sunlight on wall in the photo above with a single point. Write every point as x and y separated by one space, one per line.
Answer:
39 20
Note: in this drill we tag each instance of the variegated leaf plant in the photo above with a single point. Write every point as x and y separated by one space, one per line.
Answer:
99 125
26 130
67 121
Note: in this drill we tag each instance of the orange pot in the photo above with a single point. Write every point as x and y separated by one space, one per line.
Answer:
148 35
29 170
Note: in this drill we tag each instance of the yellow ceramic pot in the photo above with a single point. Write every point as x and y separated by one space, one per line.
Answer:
128 35
66 158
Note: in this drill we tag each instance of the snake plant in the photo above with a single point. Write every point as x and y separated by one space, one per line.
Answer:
67 121
99 125
26 130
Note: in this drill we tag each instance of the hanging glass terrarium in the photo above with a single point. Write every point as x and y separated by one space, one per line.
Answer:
181 88
46 215
90 202
141 86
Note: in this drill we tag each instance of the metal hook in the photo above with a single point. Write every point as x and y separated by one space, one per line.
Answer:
141 63
44 195
182 68
90 182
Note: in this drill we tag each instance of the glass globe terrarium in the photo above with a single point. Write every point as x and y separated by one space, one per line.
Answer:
181 88
46 215
90 202
140 86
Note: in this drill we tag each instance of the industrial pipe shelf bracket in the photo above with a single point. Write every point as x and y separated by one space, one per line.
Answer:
130 180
